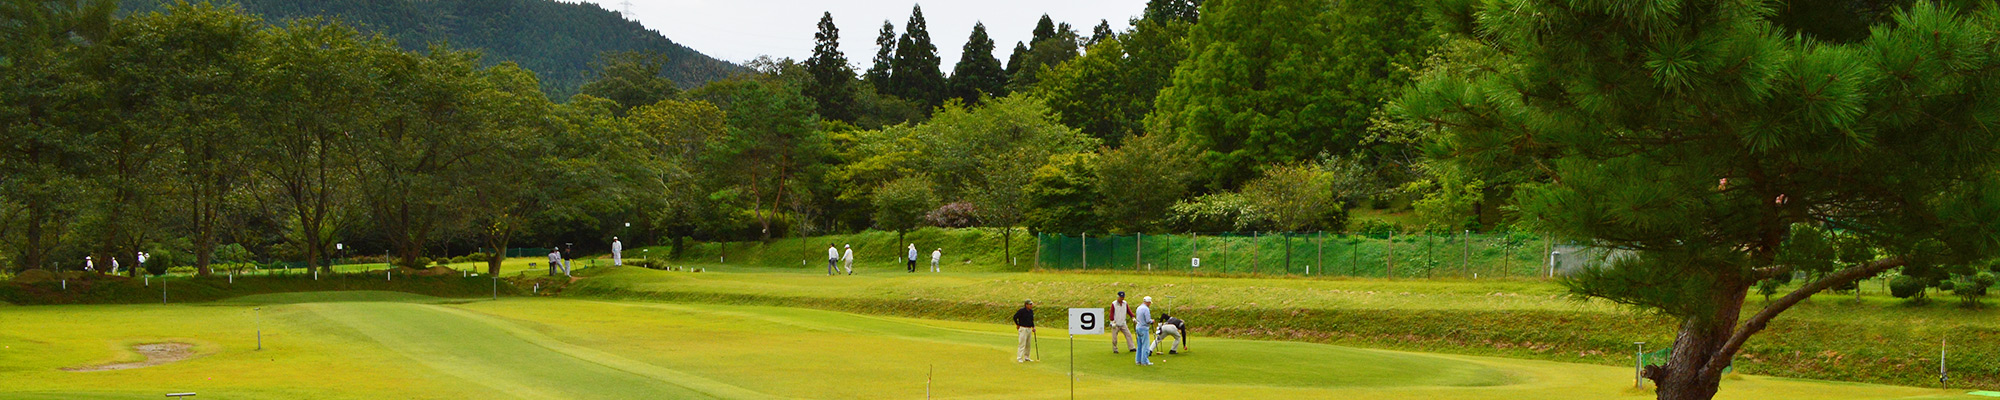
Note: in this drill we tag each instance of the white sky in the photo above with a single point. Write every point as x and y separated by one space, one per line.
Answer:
740 30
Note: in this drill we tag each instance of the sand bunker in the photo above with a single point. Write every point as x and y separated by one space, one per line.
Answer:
155 353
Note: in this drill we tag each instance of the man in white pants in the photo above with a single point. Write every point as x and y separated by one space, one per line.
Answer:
832 259
848 259
1169 326
1024 324
617 252
935 255
1119 314
555 261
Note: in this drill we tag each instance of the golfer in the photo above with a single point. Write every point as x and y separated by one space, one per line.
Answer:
911 261
1118 314
617 252
1139 321
832 259
1024 323
935 255
1170 326
848 259
555 260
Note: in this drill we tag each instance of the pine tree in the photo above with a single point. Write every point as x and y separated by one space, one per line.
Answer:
1714 150
918 74
1053 45
1016 59
831 76
885 57
1101 32
977 71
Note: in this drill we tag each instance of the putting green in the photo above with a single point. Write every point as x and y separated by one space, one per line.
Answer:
413 347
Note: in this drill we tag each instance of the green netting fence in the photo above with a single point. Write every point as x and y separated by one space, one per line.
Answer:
1467 255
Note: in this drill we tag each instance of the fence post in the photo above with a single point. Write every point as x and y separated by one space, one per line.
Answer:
1138 250
1255 237
1465 248
1319 255
1085 242
1288 253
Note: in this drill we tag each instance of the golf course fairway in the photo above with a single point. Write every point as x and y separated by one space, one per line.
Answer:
388 345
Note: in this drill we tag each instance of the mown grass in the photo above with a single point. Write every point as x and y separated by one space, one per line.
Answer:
418 348
1830 337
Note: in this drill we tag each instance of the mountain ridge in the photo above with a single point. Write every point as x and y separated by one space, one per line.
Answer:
558 40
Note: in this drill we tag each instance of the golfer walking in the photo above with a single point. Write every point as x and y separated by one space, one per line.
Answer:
1119 313
935 255
1144 316
911 261
848 258
1024 323
832 259
617 252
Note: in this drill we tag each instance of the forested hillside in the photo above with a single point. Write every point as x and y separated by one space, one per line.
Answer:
555 39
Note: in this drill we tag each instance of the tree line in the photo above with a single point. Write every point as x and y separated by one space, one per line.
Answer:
198 130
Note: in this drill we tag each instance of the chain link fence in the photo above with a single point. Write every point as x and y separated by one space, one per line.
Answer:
1386 255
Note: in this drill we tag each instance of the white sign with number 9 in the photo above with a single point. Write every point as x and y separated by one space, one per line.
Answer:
1086 321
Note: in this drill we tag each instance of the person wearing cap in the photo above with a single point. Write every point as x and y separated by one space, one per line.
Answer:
911 261
935 255
1139 321
1024 323
617 252
1118 314
1169 327
848 258
832 259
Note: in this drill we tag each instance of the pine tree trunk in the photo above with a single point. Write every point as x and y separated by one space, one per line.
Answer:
1691 373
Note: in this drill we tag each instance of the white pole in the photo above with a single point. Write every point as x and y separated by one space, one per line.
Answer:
1639 365
1943 375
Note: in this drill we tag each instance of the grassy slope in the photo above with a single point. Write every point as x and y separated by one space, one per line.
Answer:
529 348
1830 337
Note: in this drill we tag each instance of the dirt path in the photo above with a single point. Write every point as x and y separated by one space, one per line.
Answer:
155 353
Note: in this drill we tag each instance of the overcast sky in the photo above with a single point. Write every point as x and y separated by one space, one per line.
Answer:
740 30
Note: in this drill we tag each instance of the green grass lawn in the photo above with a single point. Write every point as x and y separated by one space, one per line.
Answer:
390 345
1875 339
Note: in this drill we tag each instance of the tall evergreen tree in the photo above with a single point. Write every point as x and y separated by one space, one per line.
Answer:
918 72
885 58
1044 29
1052 46
831 79
977 71
1015 59
1101 32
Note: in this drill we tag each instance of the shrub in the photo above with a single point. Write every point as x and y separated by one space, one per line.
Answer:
1970 288
1906 287
1946 285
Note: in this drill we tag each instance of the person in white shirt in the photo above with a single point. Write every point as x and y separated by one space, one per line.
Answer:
1144 316
935 255
555 261
832 259
1119 314
911 261
848 259
617 252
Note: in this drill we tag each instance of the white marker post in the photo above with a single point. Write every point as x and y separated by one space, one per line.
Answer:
1082 321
